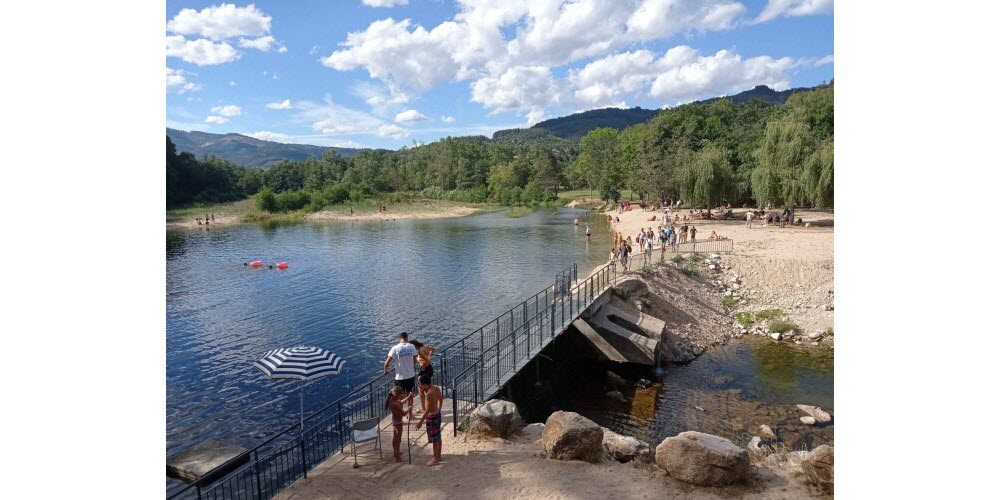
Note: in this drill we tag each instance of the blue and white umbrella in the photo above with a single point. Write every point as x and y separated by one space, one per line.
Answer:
300 363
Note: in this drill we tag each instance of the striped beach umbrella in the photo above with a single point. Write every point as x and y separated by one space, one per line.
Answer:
300 363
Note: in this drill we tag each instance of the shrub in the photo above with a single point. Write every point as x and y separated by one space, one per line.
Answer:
335 193
677 259
767 314
292 200
782 326
744 318
266 201
689 271
728 301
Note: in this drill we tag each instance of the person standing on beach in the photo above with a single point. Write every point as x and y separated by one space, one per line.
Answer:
684 233
692 231
394 403
432 416
749 219
402 356
647 254
424 353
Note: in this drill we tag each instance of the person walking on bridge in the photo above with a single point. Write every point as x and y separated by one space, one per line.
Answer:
402 357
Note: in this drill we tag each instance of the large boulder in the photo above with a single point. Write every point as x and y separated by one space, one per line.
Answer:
816 412
818 467
495 418
703 459
571 436
623 448
533 431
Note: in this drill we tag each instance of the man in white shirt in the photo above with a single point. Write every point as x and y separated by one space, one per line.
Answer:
403 355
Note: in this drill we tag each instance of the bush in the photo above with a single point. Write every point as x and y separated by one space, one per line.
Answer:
744 318
770 314
689 271
782 326
336 193
266 201
728 301
292 200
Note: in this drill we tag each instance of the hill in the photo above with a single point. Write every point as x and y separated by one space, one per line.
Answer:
246 151
566 131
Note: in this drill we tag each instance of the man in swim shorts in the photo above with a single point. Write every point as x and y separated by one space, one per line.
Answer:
432 416
402 356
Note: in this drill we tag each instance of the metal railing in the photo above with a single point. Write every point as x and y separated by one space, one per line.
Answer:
717 246
472 369
478 365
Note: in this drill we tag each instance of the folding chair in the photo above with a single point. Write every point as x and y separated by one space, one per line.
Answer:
365 431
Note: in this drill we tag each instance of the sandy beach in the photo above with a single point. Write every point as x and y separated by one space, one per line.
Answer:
790 268
416 211
191 223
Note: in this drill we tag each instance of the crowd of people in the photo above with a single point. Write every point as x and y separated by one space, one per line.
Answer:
206 219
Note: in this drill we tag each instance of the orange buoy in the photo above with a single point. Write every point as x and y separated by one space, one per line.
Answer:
257 263
281 265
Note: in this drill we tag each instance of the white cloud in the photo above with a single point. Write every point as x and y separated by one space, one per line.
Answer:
410 115
227 110
314 50
286 104
232 83
218 120
526 90
334 119
790 8
201 52
265 135
348 144
384 3
264 43
394 131
178 83
690 76
608 79
662 18
220 22
448 119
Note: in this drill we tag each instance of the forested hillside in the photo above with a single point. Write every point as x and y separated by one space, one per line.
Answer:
706 153
246 151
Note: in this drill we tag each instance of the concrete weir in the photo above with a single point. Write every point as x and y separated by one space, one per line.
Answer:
619 333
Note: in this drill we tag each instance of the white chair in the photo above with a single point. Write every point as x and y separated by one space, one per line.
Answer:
365 431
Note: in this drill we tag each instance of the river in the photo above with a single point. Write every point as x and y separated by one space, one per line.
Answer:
350 288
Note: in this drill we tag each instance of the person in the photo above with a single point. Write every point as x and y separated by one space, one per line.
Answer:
432 416
684 233
647 255
588 232
749 219
213 217
394 402
402 356
424 353
692 231
623 254
198 219
576 222
713 236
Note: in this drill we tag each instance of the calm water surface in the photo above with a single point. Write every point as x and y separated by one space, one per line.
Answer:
350 288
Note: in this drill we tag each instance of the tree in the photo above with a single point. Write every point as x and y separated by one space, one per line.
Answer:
547 172
598 163
707 178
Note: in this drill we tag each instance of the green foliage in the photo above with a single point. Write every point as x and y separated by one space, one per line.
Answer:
767 314
829 332
677 259
689 271
782 326
729 301
744 318
708 179
289 201
266 201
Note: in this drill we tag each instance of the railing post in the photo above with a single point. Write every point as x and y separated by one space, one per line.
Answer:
302 444
482 376
454 408
552 314
256 469
197 488
340 428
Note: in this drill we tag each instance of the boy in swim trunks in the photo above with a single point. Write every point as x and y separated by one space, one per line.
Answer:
432 416
395 404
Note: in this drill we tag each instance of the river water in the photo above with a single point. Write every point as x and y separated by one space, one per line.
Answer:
350 288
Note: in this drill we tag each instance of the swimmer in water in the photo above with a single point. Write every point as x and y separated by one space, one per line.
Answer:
576 222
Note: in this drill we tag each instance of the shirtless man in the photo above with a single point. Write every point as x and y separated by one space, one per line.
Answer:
432 416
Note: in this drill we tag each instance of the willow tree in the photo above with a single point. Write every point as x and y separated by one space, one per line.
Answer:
781 159
707 179
817 177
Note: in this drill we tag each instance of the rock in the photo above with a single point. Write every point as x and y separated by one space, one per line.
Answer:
754 445
776 336
643 383
818 467
571 436
703 459
616 395
828 307
816 335
616 379
495 418
816 413
766 432
533 430
814 343
623 448
194 463
808 420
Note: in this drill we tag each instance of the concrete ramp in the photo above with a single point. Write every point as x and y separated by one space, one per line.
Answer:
599 343
652 327
636 348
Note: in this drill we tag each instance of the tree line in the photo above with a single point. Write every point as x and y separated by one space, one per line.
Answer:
704 153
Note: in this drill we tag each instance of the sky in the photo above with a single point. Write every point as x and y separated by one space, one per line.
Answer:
394 73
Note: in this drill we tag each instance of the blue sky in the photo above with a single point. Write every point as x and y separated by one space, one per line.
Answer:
350 73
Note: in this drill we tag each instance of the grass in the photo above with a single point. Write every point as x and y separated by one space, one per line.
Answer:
744 318
689 271
782 326
646 271
829 332
729 301
767 314
696 257
677 259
